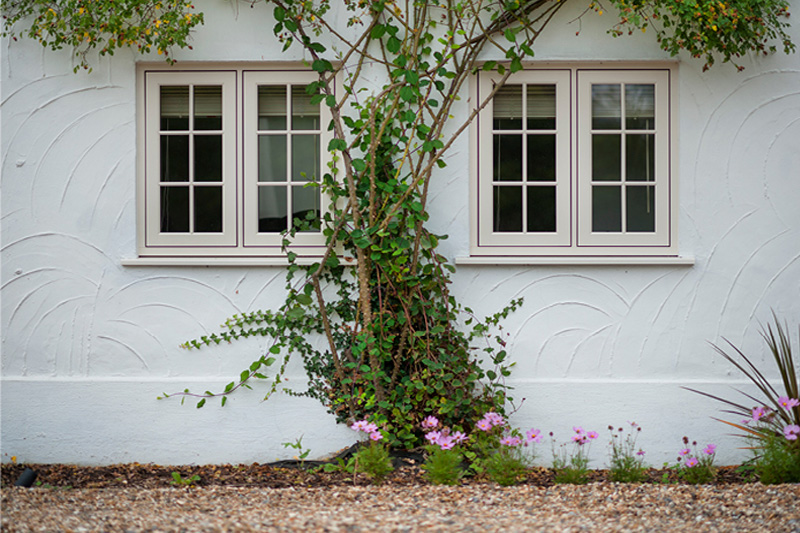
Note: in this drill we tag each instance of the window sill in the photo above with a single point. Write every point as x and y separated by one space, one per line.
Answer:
576 260
216 261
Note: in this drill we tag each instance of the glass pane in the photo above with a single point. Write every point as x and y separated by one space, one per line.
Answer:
208 157
606 209
174 108
606 157
272 212
541 107
272 107
208 209
174 158
208 107
640 106
305 204
305 157
507 158
541 158
174 209
542 209
507 105
272 158
640 205
507 209
305 116
606 107
640 157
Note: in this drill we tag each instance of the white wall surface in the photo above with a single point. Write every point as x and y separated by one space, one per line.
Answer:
88 344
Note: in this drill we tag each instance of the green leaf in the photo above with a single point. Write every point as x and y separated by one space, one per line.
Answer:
321 65
279 13
359 165
201 403
303 299
224 400
337 144
244 375
393 44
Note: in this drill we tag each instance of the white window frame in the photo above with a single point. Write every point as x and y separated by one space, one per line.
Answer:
239 237
573 167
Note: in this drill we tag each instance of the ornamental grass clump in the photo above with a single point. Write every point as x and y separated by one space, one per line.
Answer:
572 467
696 467
626 463
372 459
771 428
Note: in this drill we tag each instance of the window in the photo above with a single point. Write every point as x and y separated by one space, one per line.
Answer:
574 161
230 160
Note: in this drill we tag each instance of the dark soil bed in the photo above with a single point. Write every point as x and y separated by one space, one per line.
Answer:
277 475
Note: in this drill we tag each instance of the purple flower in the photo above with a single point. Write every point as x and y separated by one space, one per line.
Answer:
430 422
533 435
787 403
690 462
640 452
791 432
685 451
484 425
375 435
710 449
510 441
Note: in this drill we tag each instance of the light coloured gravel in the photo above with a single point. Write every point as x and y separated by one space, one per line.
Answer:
595 507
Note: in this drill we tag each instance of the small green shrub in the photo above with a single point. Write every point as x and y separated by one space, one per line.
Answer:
626 462
507 466
779 462
443 467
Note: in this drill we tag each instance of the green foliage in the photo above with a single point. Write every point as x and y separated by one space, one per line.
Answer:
507 466
180 481
709 29
443 467
374 461
626 462
104 25
572 470
778 461
298 445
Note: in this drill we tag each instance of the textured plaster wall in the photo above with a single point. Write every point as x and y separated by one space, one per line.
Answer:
88 344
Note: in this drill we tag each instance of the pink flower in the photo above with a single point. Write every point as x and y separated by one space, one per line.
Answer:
791 432
510 441
690 462
447 443
759 413
787 403
494 419
640 452
710 449
685 451
533 435
375 435
578 430
433 436
592 435
458 437
370 428
359 426
579 439
430 422
484 425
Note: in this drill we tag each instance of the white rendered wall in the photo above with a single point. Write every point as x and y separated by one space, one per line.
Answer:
88 344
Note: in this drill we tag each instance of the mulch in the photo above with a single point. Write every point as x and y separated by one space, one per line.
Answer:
281 475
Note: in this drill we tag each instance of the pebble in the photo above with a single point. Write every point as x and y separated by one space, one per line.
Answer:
476 507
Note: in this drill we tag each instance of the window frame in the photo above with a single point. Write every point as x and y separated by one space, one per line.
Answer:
581 242
238 178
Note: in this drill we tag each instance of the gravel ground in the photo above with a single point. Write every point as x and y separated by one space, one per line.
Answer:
477 507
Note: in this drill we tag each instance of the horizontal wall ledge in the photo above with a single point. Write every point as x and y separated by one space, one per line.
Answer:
215 261
575 260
